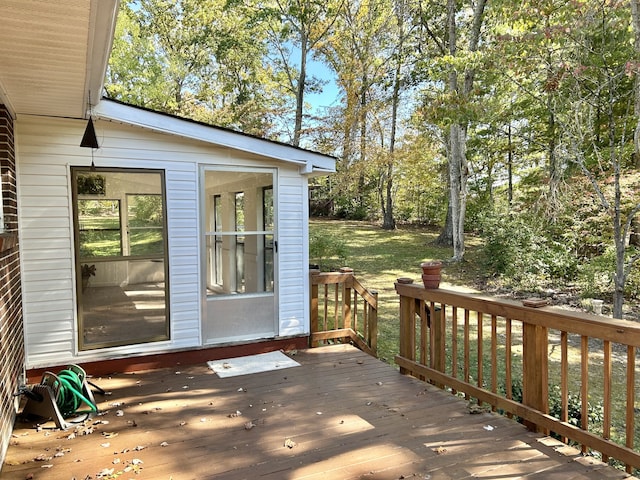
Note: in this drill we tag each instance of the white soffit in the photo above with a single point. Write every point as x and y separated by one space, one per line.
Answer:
52 53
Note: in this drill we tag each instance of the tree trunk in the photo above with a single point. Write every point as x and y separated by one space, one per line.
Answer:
458 185
302 80
510 168
635 22
457 154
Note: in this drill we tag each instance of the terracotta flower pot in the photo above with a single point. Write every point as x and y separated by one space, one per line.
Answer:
431 274
431 281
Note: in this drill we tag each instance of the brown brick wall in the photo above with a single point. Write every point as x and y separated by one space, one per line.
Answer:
11 323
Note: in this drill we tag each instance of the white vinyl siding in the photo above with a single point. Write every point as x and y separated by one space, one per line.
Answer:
46 148
293 256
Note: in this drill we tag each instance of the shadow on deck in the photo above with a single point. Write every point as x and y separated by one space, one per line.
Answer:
341 415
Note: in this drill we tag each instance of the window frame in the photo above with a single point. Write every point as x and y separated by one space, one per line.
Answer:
210 233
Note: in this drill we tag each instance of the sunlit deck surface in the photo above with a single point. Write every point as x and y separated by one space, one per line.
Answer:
341 415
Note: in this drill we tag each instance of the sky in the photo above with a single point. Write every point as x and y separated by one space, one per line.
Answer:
330 92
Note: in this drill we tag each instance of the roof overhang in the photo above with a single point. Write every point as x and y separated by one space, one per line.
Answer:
53 55
309 162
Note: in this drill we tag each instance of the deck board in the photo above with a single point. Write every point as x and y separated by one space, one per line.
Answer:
350 416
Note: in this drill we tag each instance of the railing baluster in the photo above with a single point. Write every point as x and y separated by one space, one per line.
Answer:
354 317
606 373
314 303
467 349
480 352
432 337
424 329
336 305
584 385
631 399
564 378
508 380
326 306
494 355
454 344
373 323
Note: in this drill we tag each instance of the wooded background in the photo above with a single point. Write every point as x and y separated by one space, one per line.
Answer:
517 121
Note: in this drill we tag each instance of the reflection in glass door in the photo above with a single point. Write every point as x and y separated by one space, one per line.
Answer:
121 260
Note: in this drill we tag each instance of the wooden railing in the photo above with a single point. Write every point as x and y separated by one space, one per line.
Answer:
342 310
521 360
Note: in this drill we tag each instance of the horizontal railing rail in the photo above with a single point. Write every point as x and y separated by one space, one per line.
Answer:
343 310
562 372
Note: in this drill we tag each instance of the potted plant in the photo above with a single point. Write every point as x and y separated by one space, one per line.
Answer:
87 271
431 273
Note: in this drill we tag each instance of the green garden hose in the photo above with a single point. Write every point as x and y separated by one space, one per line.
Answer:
70 396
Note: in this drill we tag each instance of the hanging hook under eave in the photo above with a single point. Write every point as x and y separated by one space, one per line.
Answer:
89 138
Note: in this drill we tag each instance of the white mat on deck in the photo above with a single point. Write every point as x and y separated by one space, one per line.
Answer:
263 362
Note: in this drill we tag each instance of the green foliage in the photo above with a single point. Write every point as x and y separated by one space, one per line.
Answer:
146 210
595 410
519 248
595 276
327 250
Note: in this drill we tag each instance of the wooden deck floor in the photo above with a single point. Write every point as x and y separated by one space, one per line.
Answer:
340 415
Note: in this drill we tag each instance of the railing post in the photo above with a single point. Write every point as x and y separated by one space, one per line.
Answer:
437 350
407 329
346 299
314 303
373 324
535 368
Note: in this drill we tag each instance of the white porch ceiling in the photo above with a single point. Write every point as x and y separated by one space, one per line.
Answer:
53 53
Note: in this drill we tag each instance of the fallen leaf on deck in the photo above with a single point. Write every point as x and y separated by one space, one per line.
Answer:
476 409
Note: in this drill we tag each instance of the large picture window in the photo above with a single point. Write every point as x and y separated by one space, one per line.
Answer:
120 256
239 232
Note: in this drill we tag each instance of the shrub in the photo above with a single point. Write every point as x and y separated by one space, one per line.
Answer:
595 411
328 251
522 250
